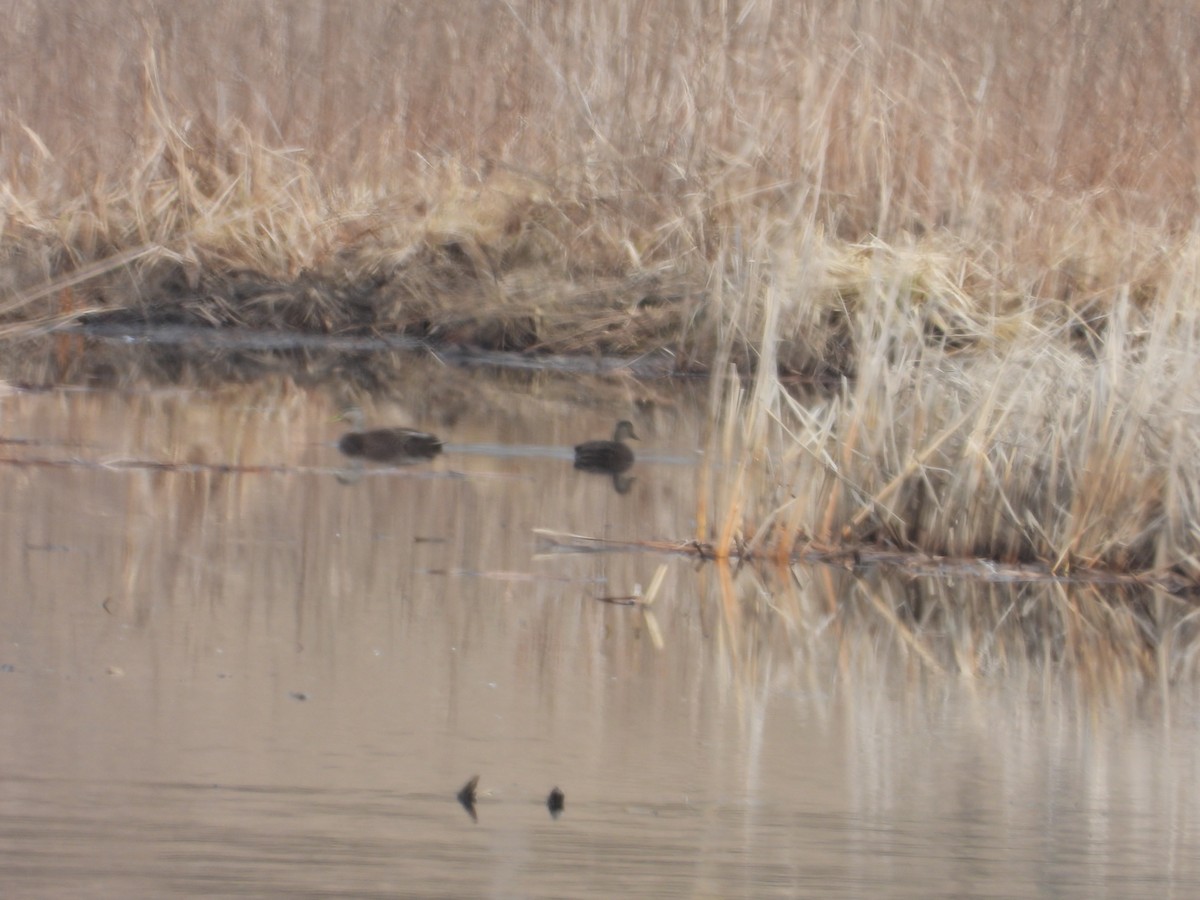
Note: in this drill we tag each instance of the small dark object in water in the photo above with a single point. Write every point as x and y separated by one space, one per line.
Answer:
467 797
610 457
394 445
619 601
555 802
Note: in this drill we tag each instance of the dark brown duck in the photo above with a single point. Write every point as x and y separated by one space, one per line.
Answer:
390 444
394 445
612 457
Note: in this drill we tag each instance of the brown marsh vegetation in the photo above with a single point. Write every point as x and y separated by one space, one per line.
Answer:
973 228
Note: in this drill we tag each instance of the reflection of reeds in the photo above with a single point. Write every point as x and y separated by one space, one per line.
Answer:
1092 645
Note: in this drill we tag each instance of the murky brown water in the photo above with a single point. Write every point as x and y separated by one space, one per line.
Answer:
268 682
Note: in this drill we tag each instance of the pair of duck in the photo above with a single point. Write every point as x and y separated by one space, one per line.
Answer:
404 445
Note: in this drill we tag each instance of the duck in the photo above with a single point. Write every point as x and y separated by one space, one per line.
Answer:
394 445
610 457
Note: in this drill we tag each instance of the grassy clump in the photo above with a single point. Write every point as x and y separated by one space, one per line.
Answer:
980 232
1036 456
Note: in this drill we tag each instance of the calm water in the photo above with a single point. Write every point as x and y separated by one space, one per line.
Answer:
267 682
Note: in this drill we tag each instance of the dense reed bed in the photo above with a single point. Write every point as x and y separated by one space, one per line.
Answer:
1031 452
975 229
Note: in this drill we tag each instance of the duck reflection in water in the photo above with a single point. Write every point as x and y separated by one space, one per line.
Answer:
613 457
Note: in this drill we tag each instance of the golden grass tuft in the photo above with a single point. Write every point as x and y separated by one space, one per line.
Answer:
1033 452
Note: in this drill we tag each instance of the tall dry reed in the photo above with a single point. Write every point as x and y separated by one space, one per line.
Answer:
1028 450
1038 142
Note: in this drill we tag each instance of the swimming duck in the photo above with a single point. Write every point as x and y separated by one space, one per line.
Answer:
611 457
394 445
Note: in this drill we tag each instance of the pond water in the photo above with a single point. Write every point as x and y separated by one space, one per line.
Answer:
235 674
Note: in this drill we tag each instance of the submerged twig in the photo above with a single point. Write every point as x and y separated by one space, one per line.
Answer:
861 555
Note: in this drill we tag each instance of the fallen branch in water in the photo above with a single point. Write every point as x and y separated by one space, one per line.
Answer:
859 556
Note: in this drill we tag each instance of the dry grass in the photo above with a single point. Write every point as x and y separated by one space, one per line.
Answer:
523 176
979 223
1029 452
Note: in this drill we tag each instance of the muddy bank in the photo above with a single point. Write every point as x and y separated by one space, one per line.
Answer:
457 304
117 355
